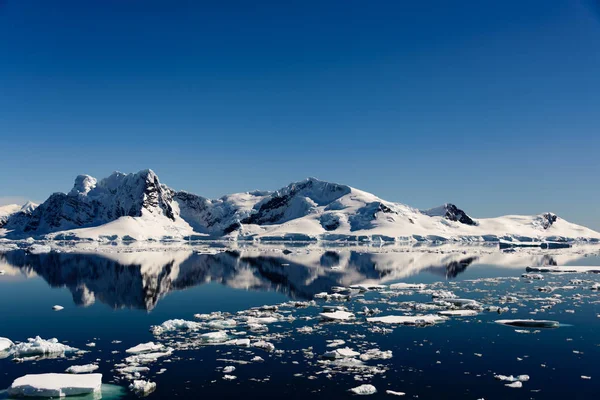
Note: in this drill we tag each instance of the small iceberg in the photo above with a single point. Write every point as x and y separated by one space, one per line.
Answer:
336 316
364 390
458 313
529 323
142 388
5 344
145 348
39 346
82 369
55 385
408 319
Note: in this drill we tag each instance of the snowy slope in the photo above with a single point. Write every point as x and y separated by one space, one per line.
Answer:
16 212
138 207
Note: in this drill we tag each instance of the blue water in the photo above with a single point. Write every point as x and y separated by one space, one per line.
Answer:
433 362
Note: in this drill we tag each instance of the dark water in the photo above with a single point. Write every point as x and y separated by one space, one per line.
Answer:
111 297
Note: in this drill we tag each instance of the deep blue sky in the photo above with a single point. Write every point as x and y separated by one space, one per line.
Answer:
493 105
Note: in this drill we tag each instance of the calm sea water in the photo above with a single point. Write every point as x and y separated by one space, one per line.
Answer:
119 296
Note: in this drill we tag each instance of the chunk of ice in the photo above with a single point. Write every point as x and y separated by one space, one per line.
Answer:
39 346
364 390
142 387
82 369
529 323
55 385
408 319
145 348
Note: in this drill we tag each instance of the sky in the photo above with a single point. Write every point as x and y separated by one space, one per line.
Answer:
491 105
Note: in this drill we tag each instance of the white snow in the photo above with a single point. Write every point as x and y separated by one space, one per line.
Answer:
307 210
55 385
57 308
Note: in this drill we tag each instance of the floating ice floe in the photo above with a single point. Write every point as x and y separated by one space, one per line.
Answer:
376 354
239 342
132 369
261 344
229 377
222 324
529 323
82 369
5 344
215 337
142 387
408 286
55 385
337 316
511 378
175 325
458 313
533 276
39 346
341 353
429 319
145 348
364 390
57 308
144 358
393 393
228 369
336 343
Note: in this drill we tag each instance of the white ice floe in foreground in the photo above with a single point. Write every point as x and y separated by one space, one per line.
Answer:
408 319
55 385
82 369
39 346
57 308
364 390
529 323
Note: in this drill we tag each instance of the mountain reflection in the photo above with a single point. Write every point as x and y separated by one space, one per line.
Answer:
141 279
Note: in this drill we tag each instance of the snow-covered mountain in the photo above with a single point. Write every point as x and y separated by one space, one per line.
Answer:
139 207
16 212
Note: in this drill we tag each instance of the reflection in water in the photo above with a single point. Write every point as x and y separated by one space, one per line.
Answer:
141 279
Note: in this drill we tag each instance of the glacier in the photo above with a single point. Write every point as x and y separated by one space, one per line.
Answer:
138 207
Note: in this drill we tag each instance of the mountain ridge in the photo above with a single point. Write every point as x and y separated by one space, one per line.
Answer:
137 206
